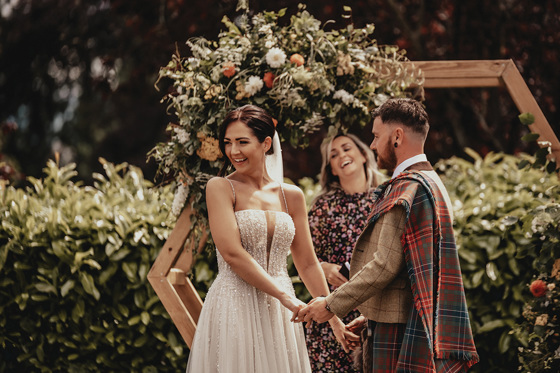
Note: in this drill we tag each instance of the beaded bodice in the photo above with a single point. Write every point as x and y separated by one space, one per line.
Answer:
267 236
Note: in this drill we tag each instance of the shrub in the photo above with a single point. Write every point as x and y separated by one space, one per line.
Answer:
495 204
540 331
73 262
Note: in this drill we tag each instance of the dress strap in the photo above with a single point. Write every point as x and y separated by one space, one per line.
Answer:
284 196
233 190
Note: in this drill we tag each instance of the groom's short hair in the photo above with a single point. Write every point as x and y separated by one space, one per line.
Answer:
405 111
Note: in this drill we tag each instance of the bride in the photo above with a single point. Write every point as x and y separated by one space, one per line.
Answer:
256 221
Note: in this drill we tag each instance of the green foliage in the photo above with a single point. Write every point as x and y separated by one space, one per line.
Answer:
74 261
495 206
542 159
539 333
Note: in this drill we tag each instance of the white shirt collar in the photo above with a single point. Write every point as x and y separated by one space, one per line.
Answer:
409 162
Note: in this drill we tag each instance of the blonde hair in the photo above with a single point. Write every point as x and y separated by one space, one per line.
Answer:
330 182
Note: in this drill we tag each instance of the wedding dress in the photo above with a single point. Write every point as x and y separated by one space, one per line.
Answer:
242 329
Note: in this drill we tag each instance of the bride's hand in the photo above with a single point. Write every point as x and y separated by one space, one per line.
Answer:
293 304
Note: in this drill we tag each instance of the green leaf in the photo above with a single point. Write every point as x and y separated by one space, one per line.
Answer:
78 311
89 285
45 288
145 316
141 341
526 118
492 271
530 137
504 342
230 25
477 278
491 325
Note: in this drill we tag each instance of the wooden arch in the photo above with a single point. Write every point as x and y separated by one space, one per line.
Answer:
168 274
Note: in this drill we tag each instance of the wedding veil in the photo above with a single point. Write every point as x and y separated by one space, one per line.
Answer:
274 165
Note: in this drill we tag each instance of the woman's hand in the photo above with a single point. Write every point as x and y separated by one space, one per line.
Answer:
347 339
332 274
293 304
356 325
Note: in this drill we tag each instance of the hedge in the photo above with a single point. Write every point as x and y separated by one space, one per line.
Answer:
73 262
495 205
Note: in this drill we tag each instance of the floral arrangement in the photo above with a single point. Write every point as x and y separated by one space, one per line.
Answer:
305 76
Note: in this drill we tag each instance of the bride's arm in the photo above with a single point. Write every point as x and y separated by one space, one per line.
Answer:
225 232
305 260
307 264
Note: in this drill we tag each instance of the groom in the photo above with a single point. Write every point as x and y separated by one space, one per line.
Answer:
405 274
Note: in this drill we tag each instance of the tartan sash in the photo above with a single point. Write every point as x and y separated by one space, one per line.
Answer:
439 326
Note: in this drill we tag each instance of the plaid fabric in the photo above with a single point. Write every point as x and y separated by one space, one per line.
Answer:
438 335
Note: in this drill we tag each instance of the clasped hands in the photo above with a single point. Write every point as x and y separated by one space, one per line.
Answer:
315 310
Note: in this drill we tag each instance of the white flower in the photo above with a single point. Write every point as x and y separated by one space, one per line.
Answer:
179 199
344 96
269 43
193 62
265 29
253 85
275 58
313 124
182 135
244 42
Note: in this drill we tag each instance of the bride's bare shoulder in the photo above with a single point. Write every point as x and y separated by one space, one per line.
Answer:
292 192
217 184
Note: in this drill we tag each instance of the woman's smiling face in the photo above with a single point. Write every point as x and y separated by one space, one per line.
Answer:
345 157
243 148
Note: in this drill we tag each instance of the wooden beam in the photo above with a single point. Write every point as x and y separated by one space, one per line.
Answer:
462 82
188 295
173 246
490 73
180 314
181 301
467 70
526 103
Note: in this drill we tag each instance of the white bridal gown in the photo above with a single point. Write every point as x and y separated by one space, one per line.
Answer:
242 329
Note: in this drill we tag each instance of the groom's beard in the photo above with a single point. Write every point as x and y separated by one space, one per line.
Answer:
388 160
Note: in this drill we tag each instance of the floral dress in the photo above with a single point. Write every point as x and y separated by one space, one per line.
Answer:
336 221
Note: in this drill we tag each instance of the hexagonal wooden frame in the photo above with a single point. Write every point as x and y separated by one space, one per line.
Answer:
168 274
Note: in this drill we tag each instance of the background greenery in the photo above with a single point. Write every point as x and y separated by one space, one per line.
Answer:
74 296
501 248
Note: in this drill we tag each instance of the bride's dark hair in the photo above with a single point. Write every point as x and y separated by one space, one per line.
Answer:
258 120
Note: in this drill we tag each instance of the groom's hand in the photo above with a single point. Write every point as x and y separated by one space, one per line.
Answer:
315 311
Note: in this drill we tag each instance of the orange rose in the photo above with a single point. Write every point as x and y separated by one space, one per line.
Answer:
297 59
275 122
228 69
268 79
538 288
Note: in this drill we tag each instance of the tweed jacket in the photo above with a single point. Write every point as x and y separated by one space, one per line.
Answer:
380 287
